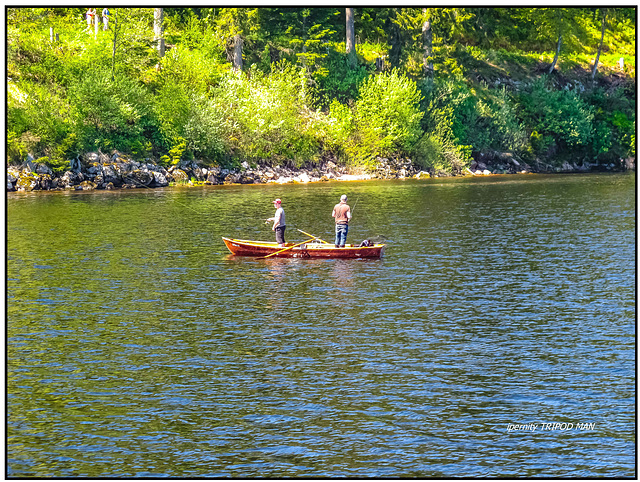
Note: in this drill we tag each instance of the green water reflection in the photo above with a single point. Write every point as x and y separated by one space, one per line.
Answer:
137 346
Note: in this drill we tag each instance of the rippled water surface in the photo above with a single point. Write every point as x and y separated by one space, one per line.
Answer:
136 346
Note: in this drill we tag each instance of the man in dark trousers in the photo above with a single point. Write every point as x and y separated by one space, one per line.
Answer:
278 222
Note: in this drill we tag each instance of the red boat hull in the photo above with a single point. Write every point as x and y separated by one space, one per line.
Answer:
242 247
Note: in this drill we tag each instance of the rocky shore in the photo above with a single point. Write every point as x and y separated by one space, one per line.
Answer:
117 171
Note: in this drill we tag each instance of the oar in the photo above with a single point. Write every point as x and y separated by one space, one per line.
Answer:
286 249
312 236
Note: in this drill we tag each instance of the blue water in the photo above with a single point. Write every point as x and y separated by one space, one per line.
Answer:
137 346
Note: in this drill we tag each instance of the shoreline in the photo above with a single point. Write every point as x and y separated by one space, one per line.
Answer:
98 171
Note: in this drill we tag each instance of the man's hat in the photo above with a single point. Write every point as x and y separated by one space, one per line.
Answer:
277 201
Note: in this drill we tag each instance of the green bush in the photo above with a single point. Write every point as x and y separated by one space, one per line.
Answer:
449 108
429 154
560 114
338 80
113 113
506 131
614 123
193 69
40 119
386 117
203 130
335 129
266 116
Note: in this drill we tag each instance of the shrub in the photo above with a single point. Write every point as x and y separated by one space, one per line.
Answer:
613 124
338 81
40 119
386 117
193 69
507 133
266 116
203 129
115 113
561 114
449 109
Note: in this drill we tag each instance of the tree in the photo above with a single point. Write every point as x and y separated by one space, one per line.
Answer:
158 30
116 27
235 24
604 26
427 44
559 42
351 39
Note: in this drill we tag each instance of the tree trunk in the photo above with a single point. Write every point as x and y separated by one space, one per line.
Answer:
595 65
304 42
158 29
395 42
558 46
351 39
237 52
555 58
427 45
115 39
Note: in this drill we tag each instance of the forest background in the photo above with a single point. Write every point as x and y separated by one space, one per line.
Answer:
296 86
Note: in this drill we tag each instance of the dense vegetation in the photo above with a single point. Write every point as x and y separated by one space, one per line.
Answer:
278 85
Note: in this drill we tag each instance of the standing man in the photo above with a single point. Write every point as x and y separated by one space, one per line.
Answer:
90 14
342 214
105 18
278 223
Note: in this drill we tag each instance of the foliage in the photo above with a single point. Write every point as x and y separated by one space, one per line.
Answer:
386 116
114 113
338 81
297 98
562 114
264 115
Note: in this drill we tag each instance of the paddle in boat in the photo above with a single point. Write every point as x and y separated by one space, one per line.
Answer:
312 248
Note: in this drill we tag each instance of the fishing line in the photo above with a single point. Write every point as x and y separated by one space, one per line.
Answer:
378 237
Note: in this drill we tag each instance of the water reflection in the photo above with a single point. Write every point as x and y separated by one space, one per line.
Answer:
137 346
342 272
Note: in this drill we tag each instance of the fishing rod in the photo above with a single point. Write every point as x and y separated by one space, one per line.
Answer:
356 203
378 237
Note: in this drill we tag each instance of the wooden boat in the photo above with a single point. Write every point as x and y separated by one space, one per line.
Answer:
311 249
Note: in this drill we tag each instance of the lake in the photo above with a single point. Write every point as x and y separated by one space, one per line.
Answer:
496 338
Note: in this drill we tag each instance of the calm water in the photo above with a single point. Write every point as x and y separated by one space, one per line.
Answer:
137 347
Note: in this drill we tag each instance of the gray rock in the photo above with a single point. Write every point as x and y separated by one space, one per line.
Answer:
43 169
88 185
109 174
70 178
179 176
44 181
91 157
27 182
13 173
139 178
159 179
630 163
